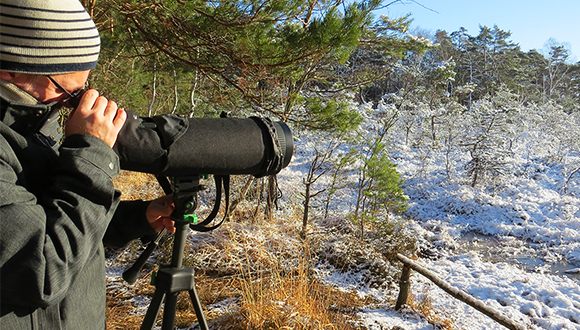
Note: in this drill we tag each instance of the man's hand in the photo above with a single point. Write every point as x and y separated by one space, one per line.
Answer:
159 212
96 116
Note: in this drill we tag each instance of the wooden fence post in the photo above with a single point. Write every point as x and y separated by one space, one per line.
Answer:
404 285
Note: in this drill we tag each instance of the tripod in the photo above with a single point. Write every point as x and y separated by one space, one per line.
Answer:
175 278
172 280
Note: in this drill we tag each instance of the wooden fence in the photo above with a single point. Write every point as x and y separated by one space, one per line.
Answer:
405 286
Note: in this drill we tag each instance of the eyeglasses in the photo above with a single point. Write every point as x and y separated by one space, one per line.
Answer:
74 98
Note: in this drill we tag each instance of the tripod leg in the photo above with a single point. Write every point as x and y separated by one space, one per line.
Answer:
153 310
169 311
197 308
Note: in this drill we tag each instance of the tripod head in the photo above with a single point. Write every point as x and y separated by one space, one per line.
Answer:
185 191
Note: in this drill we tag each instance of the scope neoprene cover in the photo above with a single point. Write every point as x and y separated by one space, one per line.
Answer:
173 145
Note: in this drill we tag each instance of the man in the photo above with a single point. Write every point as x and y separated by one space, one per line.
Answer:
57 202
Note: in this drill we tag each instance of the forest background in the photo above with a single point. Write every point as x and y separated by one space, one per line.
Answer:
307 63
316 64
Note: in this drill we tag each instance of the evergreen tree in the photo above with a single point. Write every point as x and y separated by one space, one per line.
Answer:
249 56
379 191
493 60
488 132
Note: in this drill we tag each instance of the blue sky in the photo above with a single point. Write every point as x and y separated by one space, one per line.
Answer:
531 22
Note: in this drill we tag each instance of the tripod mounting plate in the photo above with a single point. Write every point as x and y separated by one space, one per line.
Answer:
174 280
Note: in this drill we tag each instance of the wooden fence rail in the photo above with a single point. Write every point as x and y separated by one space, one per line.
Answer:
405 285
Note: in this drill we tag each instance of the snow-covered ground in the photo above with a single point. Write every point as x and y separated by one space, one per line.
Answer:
516 248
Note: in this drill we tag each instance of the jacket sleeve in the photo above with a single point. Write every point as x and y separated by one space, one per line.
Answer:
129 223
46 240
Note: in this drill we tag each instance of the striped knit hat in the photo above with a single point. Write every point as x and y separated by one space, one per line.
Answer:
47 37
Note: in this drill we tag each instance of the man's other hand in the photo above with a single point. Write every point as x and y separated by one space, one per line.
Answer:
159 212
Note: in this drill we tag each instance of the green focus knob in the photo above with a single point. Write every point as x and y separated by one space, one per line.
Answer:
191 218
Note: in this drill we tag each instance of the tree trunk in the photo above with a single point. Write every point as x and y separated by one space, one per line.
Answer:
154 89
271 197
243 192
305 214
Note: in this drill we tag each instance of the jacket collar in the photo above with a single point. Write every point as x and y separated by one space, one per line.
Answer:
12 93
24 114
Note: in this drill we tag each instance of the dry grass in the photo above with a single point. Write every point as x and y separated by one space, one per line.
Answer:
135 185
120 311
264 301
240 264
291 302
272 285
424 307
274 296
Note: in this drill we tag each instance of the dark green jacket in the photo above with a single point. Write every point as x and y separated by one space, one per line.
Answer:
57 207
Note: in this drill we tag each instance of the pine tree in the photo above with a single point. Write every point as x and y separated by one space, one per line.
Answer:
488 130
251 56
